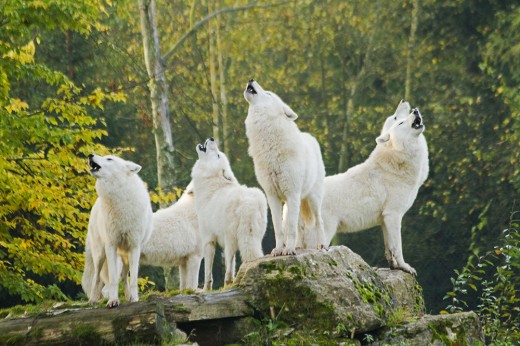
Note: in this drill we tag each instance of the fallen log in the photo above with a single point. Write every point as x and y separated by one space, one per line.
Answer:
153 320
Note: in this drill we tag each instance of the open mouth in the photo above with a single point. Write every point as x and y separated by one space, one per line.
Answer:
250 89
94 167
204 147
417 122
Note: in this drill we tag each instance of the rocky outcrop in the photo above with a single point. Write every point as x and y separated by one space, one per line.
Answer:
313 297
322 290
456 329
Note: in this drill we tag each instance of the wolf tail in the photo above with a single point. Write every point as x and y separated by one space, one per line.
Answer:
88 271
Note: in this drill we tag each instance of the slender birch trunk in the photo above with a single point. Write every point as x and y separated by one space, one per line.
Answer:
411 46
158 87
213 74
223 95
158 96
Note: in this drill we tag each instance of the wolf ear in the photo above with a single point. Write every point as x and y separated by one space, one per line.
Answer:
289 113
133 167
228 175
385 137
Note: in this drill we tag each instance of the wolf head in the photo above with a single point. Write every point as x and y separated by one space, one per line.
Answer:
106 167
404 131
212 163
271 104
402 111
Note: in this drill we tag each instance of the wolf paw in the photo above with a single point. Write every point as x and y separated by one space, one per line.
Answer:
277 252
289 251
132 299
409 269
323 247
405 267
114 303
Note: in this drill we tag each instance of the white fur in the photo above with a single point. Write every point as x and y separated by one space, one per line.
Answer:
120 222
176 241
402 111
288 166
231 214
380 190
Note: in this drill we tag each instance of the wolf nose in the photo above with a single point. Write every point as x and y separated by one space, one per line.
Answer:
403 100
90 156
211 139
251 80
416 111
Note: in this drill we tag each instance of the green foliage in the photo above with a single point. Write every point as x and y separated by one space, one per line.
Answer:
59 59
46 133
494 277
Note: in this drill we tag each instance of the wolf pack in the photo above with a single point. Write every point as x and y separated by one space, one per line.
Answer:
307 208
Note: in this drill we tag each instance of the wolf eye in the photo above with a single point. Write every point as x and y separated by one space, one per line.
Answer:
395 118
109 159
401 123
218 156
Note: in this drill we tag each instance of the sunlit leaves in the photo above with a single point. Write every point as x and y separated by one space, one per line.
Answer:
46 133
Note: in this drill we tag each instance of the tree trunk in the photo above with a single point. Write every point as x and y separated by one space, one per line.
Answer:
223 96
158 96
171 278
344 155
150 321
411 46
213 75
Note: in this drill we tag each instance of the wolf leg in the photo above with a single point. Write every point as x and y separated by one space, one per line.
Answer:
393 245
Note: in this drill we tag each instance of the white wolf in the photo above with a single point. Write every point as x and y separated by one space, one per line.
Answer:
231 214
120 222
175 241
380 190
402 111
288 166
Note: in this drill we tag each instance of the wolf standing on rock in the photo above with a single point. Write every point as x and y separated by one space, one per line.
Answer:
380 190
288 166
120 223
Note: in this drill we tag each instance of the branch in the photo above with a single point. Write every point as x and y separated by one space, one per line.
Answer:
204 20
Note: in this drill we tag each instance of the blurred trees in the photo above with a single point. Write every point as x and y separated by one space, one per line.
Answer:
343 67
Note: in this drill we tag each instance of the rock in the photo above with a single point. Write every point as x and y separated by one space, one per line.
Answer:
314 297
326 291
456 329
405 291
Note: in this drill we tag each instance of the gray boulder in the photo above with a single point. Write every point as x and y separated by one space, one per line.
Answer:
329 291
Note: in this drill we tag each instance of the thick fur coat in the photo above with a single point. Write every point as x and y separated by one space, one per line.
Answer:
380 190
176 241
120 223
230 214
288 166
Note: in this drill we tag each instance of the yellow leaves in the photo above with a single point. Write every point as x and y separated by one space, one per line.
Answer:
38 4
16 105
24 55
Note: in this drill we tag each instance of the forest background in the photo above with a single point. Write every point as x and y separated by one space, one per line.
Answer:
73 80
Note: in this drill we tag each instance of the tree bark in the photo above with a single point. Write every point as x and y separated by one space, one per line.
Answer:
158 96
150 321
223 96
411 46
213 75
